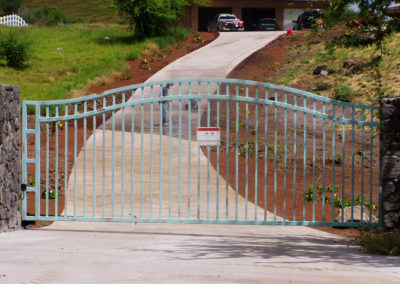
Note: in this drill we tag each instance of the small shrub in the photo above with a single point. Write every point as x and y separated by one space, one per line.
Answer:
342 92
14 48
322 85
51 16
379 242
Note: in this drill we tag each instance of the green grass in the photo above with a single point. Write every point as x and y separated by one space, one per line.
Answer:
67 57
89 10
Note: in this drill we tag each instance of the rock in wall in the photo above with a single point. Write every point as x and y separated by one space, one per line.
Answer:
10 158
390 161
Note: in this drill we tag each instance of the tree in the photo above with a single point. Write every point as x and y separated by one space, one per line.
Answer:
10 6
153 17
371 26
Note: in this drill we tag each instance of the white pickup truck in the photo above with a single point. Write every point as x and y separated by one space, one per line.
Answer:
225 22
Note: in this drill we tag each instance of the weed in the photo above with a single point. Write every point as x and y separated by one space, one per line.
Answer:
309 194
281 166
52 194
338 159
197 38
332 188
31 182
238 125
253 132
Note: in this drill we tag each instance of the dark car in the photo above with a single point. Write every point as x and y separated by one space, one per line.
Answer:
307 19
268 24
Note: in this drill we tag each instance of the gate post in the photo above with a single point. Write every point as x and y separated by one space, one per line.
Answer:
390 161
10 158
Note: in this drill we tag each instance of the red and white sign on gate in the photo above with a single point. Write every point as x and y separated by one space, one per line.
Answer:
208 136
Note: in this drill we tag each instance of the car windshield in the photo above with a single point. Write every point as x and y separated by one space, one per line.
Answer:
267 21
227 18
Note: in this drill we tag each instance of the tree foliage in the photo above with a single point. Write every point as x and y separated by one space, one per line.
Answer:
369 26
10 6
153 17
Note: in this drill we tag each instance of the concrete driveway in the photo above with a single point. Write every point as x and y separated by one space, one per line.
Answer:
68 252
153 253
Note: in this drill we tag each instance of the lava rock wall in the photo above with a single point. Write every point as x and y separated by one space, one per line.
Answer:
10 158
390 161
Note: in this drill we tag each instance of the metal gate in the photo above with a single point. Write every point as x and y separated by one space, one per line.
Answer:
285 156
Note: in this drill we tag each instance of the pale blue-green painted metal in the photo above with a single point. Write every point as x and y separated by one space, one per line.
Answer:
55 117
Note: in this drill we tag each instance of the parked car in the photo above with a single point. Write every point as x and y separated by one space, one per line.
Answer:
268 24
307 19
225 22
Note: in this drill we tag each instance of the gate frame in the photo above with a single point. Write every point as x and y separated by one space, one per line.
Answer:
180 97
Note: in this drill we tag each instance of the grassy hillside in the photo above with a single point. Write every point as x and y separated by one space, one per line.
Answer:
89 10
64 59
305 58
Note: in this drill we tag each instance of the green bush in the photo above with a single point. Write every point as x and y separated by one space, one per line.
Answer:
9 7
342 92
14 48
379 242
48 16
53 15
322 85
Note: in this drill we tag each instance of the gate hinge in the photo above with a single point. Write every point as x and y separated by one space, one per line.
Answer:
23 187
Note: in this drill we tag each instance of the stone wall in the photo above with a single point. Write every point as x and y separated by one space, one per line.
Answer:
390 159
10 158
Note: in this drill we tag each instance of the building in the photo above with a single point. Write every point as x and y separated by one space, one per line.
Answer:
394 11
284 11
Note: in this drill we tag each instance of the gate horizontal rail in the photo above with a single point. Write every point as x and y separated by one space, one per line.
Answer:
288 156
